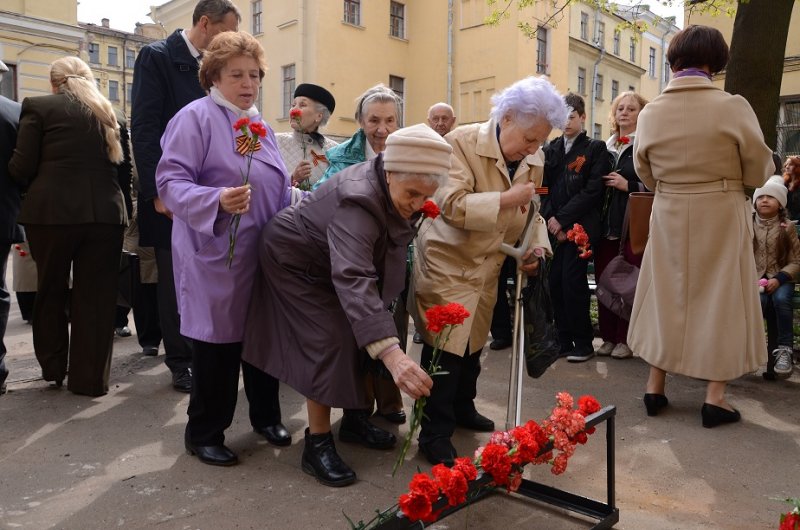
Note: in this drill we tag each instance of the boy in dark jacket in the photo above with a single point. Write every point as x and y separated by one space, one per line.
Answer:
573 174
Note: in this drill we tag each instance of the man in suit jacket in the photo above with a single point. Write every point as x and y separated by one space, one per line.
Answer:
165 80
10 231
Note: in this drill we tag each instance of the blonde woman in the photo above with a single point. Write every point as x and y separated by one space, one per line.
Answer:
68 149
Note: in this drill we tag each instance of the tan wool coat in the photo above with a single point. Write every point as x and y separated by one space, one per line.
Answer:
457 256
697 309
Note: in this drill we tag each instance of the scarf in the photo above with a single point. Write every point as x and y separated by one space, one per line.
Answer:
220 100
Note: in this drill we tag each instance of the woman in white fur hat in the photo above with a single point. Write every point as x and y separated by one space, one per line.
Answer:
777 253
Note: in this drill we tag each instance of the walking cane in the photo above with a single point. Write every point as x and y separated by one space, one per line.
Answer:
518 337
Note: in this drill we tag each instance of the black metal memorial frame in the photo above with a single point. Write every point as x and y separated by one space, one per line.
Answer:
606 513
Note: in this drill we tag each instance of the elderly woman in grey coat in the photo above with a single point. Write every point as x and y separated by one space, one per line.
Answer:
331 265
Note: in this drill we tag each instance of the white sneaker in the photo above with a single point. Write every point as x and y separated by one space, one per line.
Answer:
605 349
621 351
783 361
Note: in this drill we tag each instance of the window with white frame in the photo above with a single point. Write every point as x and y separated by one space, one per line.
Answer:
352 12
398 85
397 20
614 89
651 65
582 81
597 133
541 50
113 90
289 83
600 38
113 59
94 53
129 92
633 49
256 10
584 26
130 58
598 87
666 71
617 37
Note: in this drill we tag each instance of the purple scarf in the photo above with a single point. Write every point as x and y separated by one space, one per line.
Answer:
692 71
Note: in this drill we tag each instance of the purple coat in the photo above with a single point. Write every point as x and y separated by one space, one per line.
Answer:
200 160
330 267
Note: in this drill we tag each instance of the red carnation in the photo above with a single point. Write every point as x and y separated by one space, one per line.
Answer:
439 316
415 506
424 485
790 521
559 464
588 405
240 123
452 483
496 462
465 466
430 209
258 129
296 114
624 140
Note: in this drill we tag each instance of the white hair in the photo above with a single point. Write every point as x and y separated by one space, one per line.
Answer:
529 99
322 109
439 179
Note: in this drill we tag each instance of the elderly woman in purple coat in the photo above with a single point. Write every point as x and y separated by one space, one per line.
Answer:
199 179
331 265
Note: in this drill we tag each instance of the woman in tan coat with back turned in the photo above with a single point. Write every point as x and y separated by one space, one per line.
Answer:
697 309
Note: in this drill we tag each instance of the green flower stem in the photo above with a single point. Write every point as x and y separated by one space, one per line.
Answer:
237 218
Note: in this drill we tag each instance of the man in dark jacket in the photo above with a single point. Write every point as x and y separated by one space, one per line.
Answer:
165 80
10 231
573 173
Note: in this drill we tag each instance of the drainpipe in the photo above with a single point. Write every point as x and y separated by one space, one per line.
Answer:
602 49
664 55
450 52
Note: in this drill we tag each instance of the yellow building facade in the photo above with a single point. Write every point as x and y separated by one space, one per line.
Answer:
35 33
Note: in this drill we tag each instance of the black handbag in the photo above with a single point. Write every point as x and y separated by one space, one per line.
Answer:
129 278
542 347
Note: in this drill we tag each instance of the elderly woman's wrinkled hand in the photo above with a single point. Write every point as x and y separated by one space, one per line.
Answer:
530 261
616 181
519 194
235 200
301 172
408 375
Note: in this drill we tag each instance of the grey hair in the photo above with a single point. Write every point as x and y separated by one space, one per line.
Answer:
529 99
322 109
215 10
379 93
440 179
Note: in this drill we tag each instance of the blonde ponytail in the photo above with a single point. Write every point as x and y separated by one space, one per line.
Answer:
73 78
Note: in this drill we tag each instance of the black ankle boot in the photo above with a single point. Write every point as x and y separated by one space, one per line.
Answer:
356 428
321 460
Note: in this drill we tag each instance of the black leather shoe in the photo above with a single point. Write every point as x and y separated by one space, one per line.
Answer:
439 451
150 351
321 460
275 434
714 415
655 402
398 417
124 331
500 344
356 428
417 338
475 421
213 455
182 380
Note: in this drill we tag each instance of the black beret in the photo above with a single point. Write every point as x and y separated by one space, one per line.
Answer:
317 93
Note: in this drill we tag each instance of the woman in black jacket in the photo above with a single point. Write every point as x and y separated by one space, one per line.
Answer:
619 184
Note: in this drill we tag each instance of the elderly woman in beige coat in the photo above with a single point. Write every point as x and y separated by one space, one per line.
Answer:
697 309
496 168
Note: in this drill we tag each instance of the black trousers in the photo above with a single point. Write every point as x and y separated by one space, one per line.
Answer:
5 308
569 289
215 386
452 395
501 316
177 348
92 251
146 316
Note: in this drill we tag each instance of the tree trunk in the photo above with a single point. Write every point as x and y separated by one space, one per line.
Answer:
755 68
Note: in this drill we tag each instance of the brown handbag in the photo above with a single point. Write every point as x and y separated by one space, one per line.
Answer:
640 204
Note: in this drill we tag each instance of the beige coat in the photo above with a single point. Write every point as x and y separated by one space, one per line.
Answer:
457 257
697 309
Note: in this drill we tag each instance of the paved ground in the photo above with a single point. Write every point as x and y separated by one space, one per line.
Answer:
74 462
